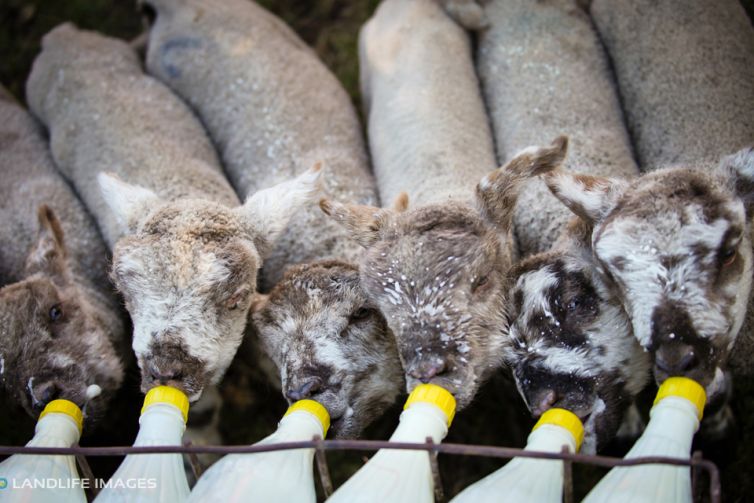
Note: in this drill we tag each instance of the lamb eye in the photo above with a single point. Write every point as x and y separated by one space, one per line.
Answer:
480 283
728 256
360 314
56 312
574 304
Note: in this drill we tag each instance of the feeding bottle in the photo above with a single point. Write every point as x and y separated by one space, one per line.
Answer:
674 419
153 477
43 478
404 475
269 476
530 479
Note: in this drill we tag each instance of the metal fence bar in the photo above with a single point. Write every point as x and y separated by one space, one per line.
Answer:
323 468
567 478
435 467
372 445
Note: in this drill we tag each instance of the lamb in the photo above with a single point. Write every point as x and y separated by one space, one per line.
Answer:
60 325
543 72
185 254
271 107
327 340
571 341
436 271
676 241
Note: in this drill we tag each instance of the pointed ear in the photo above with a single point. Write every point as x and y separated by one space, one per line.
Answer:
258 302
49 253
268 211
401 203
129 203
589 197
363 223
497 193
738 172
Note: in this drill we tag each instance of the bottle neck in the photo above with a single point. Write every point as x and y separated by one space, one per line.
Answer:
419 421
53 429
300 425
161 422
550 438
674 410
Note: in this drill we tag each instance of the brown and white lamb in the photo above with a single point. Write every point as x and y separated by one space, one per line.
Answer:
273 108
61 328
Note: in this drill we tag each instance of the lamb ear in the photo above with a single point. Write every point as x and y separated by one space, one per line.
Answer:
589 197
363 223
738 171
49 253
258 302
268 211
497 193
129 203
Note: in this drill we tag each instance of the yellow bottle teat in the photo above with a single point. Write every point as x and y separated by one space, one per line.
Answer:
169 395
565 419
685 388
436 395
65 407
316 409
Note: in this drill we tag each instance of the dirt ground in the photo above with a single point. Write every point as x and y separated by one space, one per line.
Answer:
252 406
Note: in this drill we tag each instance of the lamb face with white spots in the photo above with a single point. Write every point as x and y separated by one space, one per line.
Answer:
438 274
330 343
676 243
571 341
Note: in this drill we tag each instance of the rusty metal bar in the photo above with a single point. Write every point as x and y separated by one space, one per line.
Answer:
371 445
435 466
567 477
196 466
323 468
86 471
697 455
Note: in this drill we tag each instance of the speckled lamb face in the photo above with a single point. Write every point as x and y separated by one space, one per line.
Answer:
676 243
438 273
572 344
330 344
187 270
54 343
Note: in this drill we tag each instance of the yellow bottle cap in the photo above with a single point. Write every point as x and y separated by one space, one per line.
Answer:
565 419
685 388
65 407
170 395
316 409
436 395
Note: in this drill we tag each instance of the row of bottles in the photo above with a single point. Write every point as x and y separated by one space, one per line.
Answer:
390 475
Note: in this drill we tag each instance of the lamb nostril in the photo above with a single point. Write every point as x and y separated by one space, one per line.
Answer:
305 390
44 394
426 370
545 402
663 365
163 376
688 362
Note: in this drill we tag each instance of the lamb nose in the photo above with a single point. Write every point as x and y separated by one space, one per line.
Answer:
164 375
678 362
305 390
426 370
44 394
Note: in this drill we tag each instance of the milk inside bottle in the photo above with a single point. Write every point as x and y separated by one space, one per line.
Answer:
155 478
402 475
529 479
674 419
269 476
33 478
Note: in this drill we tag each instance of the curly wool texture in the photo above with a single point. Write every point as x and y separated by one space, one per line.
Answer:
428 131
686 77
272 108
105 115
544 73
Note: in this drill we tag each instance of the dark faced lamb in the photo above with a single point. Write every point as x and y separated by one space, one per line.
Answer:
61 328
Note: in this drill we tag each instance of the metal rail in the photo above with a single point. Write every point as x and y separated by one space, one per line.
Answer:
696 462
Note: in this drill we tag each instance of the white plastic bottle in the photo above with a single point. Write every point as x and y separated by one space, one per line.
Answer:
674 419
31 478
529 479
146 478
280 476
397 476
